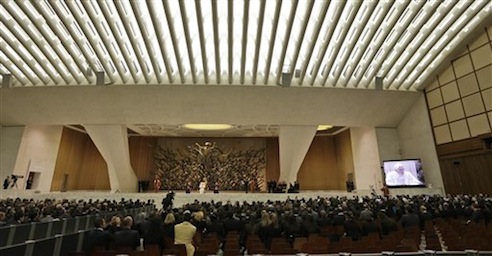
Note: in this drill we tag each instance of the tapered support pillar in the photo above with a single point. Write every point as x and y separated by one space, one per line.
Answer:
112 143
294 142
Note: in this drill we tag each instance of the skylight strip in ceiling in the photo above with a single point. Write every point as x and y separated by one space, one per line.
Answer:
39 31
216 40
102 28
258 37
416 44
92 39
396 28
60 43
335 60
402 25
363 43
10 43
155 10
411 47
379 49
473 16
306 12
23 33
121 40
442 13
20 77
334 12
245 39
230 41
177 36
151 57
354 33
21 70
207 39
287 28
67 49
127 10
321 9
77 37
203 49
272 23
185 19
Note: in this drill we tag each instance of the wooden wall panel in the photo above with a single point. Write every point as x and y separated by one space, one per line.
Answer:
70 155
319 170
93 172
345 159
79 160
471 174
273 163
142 151
466 165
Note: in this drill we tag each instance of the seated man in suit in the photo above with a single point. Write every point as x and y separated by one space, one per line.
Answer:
127 237
98 239
184 233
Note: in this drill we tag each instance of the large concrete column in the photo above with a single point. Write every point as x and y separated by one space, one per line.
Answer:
365 151
294 142
112 143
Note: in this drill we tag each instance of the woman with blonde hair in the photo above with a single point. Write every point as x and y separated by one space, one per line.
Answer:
265 226
168 227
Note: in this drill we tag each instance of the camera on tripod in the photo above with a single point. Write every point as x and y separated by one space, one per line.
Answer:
17 176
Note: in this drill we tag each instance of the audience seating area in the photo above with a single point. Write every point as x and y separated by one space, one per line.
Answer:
59 237
423 225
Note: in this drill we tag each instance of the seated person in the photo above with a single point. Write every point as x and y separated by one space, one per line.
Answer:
127 237
98 239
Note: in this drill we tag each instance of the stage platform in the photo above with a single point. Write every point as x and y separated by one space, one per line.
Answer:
182 198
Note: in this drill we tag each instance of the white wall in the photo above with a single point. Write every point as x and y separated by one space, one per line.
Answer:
388 144
10 139
367 165
417 141
37 153
294 142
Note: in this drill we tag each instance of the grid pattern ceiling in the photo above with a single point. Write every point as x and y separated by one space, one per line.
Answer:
343 44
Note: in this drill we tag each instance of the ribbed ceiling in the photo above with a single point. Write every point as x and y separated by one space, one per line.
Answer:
343 44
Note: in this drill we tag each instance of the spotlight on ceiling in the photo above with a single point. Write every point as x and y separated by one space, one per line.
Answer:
324 127
208 127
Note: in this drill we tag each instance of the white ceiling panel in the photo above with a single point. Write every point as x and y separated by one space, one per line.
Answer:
309 43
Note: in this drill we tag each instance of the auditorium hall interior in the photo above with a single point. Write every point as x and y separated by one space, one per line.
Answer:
245 100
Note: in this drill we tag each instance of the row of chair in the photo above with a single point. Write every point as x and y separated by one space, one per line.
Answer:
63 245
16 234
54 237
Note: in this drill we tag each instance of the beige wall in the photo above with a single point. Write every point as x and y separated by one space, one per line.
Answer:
460 98
10 139
459 102
38 152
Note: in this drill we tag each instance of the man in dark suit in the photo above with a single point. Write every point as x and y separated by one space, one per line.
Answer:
98 239
409 219
127 237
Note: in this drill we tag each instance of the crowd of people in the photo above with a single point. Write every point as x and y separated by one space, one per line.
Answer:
294 217
19 211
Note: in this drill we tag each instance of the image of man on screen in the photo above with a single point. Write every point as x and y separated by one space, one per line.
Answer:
401 177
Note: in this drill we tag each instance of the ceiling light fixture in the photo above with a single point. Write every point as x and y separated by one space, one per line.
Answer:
324 127
208 127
